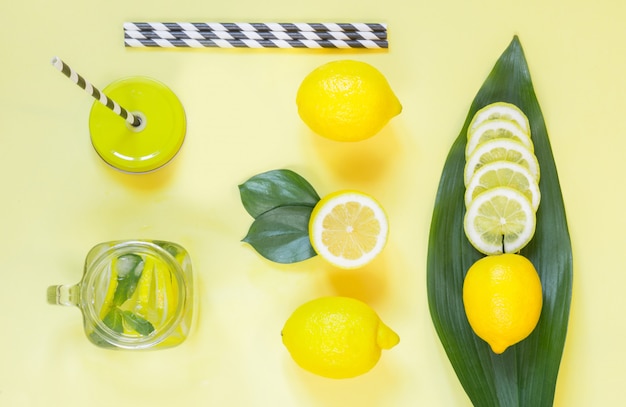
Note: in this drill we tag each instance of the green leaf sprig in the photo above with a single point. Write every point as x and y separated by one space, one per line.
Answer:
526 373
129 270
281 202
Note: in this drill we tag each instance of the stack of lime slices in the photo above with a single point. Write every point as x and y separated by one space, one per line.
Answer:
501 180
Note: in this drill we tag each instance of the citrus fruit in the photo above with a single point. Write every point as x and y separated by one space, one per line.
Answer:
497 128
501 149
500 110
346 100
503 299
502 174
336 337
500 220
348 228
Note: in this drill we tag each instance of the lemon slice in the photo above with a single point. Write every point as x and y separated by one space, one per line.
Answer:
497 128
348 229
500 220
500 110
503 174
498 150
111 287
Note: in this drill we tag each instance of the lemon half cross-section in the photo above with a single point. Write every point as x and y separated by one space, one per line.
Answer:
348 228
500 220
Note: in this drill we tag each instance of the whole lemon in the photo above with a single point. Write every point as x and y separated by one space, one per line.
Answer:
336 337
346 100
503 299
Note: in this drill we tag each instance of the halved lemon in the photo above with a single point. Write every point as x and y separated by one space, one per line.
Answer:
497 128
503 174
348 229
498 150
500 110
500 220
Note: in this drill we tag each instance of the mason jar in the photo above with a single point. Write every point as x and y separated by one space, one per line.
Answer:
134 294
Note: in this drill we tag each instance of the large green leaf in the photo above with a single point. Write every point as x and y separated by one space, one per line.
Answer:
275 188
282 234
525 374
281 202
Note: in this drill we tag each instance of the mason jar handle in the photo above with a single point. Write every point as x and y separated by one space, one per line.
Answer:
63 295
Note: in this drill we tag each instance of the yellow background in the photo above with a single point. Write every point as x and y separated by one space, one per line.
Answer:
59 199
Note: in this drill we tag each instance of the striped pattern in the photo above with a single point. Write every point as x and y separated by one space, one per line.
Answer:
258 35
204 43
94 92
286 27
255 35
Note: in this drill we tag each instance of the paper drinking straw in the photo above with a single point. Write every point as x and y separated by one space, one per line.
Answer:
91 90
221 43
258 35
214 26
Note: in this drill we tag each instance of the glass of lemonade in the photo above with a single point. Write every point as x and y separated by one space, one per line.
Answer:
134 294
146 147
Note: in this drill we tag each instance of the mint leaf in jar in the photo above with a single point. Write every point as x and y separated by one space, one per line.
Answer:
139 324
113 319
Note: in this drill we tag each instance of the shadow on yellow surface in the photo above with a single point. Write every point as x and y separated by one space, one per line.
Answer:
362 161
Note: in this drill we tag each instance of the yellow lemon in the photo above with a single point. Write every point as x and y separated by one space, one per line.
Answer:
346 100
503 299
348 229
336 337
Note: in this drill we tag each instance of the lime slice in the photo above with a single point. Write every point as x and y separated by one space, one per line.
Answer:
500 220
348 229
503 174
497 128
500 110
498 150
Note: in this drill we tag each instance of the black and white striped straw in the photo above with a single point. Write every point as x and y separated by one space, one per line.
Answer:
270 26
257 35
248 43
95 93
